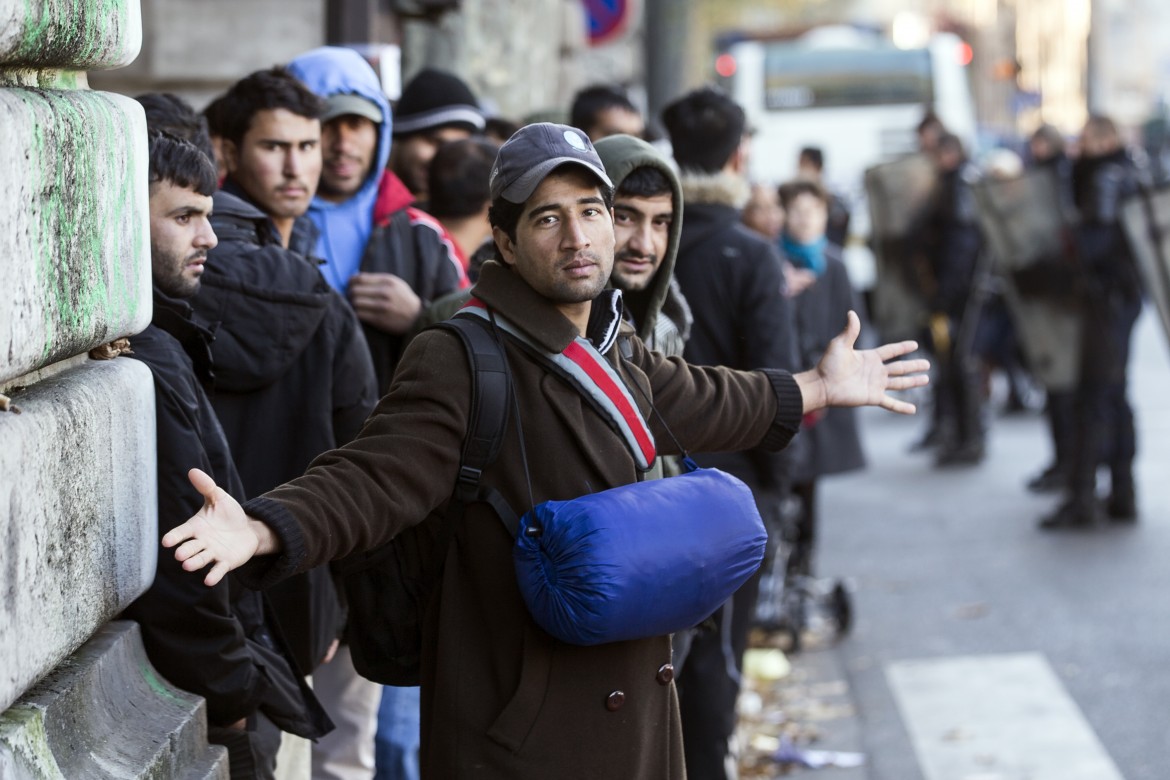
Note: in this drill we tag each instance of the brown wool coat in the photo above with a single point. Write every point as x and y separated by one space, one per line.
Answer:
500 697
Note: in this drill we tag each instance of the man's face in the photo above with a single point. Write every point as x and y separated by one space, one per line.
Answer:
411 155
641 228
180 237
349 144
615 120
564 239
278 162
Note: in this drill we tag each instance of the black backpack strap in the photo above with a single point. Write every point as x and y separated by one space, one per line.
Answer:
491 398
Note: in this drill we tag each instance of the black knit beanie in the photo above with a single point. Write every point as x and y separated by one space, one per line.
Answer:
434 99
705 126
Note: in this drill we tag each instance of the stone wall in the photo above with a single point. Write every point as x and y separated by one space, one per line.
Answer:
78 525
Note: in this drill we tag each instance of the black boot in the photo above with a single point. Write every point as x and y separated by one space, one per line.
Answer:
1077 512
1050 480
1122 504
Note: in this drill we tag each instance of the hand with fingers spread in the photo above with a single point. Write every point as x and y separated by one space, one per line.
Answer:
220 534
385 301
849 377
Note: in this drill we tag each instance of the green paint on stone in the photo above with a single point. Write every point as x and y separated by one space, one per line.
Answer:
160 688
82 182
72 32
22 731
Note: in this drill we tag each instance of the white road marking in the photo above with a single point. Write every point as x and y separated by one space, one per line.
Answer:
999 717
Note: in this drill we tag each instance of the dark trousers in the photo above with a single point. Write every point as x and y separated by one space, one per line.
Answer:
958 395
1060 409
1104 427
252 751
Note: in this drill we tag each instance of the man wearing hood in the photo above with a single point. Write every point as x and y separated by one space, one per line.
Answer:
389 259
734 282
647 224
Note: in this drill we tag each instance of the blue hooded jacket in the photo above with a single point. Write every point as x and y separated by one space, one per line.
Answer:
345 227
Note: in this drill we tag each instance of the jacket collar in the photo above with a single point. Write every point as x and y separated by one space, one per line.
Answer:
538 318
303 240
176 317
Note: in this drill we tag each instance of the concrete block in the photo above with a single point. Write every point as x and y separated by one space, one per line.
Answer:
72 34
78 512
105 713
75 230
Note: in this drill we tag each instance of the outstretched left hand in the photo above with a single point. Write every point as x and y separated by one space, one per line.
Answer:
850 377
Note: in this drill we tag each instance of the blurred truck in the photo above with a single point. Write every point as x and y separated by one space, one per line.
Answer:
851 92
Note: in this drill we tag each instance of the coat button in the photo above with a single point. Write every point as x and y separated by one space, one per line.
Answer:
614 701
665 674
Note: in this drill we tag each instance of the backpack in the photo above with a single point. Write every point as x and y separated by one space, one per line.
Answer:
388 588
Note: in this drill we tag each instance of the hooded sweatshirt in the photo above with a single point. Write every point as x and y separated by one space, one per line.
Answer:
345 227
660 312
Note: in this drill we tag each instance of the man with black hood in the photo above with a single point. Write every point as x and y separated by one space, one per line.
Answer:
220 642
734 282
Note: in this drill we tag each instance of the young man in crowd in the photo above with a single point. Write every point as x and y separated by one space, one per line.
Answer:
216 642
500 696
387 257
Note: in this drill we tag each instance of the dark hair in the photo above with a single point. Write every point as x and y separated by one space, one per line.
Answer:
645 182
814 156
180 162
505 215
230 116
500 127
457 180
706 127
169 113
591 101
790 191
930 121
949 142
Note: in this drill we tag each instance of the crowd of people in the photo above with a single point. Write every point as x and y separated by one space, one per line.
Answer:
304 235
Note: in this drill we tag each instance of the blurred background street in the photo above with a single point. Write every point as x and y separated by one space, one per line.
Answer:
952 582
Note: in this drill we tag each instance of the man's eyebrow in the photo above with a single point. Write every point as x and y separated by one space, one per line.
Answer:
545 207
187 210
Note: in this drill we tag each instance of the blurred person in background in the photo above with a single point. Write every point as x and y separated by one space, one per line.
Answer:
952 242
458 183
763 212
1046 151
811 165
603 110
822 299
1103 177
435 107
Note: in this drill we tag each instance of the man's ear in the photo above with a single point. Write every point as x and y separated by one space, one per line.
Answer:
505 245
231 155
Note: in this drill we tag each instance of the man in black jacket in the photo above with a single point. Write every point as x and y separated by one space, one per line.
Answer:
734 282
293 375
216 642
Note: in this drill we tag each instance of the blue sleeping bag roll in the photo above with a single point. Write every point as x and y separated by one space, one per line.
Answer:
641 560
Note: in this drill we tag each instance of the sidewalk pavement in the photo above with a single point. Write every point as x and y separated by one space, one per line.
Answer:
797 709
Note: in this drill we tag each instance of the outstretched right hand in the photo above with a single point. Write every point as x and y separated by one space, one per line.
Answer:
220 534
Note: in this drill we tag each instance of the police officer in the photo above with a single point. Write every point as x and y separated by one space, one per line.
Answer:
1103 177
